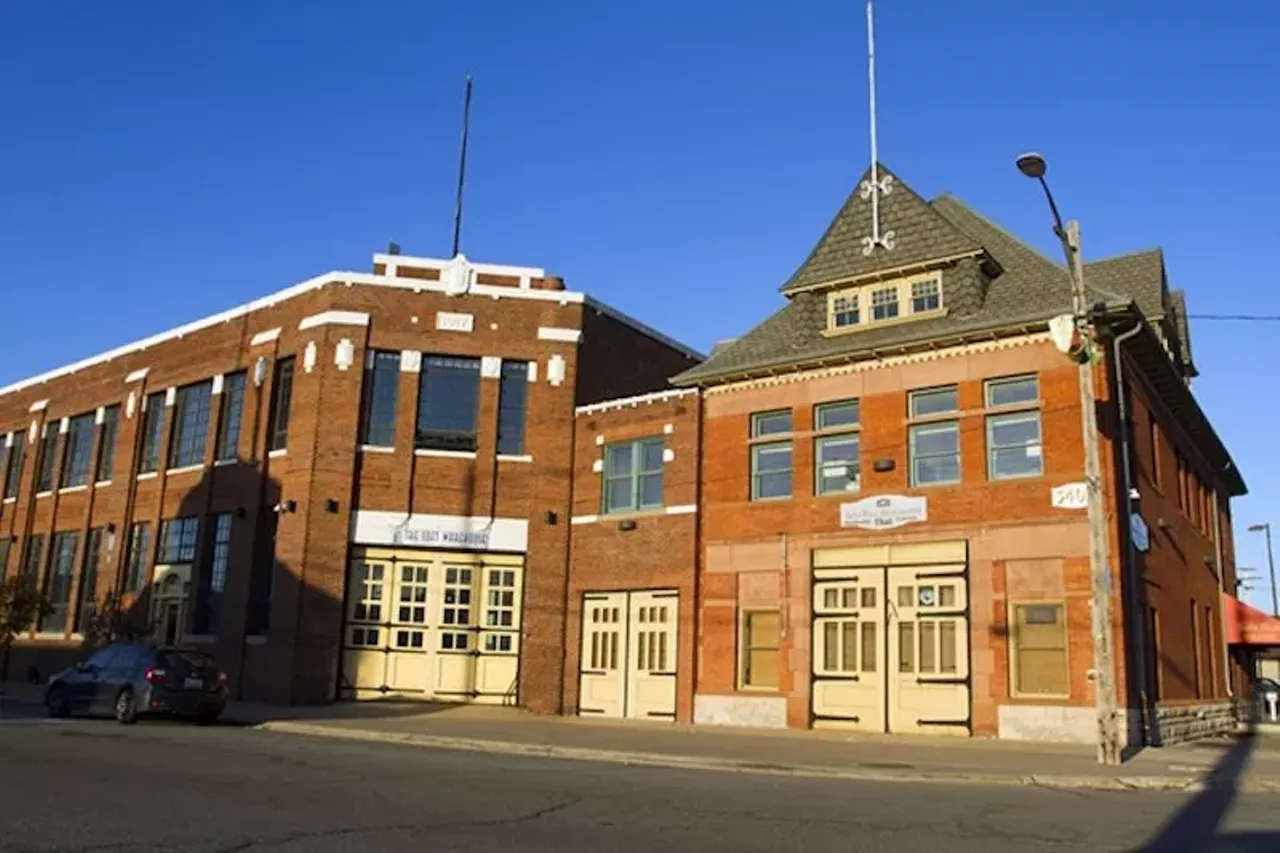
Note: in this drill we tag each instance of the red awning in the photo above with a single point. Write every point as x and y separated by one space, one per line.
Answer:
1249 626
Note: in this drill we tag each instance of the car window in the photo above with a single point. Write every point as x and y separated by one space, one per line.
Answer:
133 657
185 660
103 658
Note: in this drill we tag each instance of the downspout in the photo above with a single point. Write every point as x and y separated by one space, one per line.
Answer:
1222 595
1138 636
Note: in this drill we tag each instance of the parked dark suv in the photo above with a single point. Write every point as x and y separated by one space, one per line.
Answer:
130 679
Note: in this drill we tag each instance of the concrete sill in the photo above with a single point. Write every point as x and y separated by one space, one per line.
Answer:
222 463
70 490
514 457
185 469
446 454
10 500
102 484
149 475
374 448
276 454
43 494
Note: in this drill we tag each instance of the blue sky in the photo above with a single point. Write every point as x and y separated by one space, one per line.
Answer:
161 161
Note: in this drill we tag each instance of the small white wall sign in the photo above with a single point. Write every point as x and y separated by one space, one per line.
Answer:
884 512
1139 532
448 321
1070 496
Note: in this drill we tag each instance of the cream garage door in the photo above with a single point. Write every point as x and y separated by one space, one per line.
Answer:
848 651
929 647
628 661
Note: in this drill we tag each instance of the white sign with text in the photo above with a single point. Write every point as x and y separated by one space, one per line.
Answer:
884 512
1070 496
465 533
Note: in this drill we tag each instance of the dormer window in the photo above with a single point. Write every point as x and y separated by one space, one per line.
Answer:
903 300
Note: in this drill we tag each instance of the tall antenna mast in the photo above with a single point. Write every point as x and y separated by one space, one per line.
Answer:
873 187
462 169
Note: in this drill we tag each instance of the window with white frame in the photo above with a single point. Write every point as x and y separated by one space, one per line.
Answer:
934 436
914 296
926 296
844 311
836 448
633 475
771 458
1014 447
884 303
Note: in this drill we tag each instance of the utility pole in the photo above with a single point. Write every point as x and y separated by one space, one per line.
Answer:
1104 669
1265 528
1104 682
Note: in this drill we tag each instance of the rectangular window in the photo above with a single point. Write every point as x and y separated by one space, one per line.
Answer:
761 644
87 611
1013 391
770 423
178 537
78 453
934 446
884 303
13 465
633 475
1196 666
1211 660
513 398
1153 427
57 583
138 560
48 459
4 555
152 432
448 397
381 392
844 311
836 457
107 444
191 425
1013 446
32 560
1039 650
213 578
771 471
228 448
262 576
1182 480
281 401
925 296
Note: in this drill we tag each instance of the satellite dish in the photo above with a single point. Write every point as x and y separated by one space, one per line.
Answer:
457 276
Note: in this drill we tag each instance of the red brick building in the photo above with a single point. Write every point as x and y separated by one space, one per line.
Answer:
358 486
893 536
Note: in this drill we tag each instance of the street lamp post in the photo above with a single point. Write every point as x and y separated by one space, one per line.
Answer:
1033 166
1271 562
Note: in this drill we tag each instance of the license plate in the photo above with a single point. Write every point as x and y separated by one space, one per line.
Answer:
193 683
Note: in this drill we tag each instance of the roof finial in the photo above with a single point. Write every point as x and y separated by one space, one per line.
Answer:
873 187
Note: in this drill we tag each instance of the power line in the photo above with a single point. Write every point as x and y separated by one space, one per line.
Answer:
1258 318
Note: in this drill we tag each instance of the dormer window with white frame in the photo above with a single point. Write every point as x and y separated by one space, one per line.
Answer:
868 306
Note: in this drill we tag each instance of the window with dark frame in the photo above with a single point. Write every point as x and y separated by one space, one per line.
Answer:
262 576
228 446
1153 427
107 444
152 432
4 556
57 583
138 559
213 578
87 609
771 458
633 475
448 398
513 398
381 396
177 541
281 402
48 459
13 465
934 441
31 561
1014 446
836 448
79 452
191 425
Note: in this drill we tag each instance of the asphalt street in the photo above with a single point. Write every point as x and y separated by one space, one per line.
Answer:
89 785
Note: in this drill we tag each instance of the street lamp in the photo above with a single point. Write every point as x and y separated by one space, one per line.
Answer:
1271 563
1033 166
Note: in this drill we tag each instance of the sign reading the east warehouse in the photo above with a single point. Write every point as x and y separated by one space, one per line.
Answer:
884 512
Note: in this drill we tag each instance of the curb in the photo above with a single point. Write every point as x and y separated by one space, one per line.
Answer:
646 759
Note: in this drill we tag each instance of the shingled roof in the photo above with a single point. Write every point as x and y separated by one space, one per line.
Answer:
1020 287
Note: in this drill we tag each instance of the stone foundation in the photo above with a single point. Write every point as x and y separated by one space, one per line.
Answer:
1182 723
762 711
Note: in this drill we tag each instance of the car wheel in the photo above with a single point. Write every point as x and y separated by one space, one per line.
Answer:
126 708
56 702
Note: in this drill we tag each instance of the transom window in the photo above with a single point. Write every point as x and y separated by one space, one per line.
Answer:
868 305
1014 447
633 475
925 296
934 445
191 428
844 311
771 461
836 456
884 303
448 397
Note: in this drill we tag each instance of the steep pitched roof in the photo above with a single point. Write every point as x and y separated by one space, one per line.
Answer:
920 235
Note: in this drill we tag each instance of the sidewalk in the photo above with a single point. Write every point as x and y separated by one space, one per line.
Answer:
827 754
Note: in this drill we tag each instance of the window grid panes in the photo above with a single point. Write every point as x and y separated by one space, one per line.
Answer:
633 475
31 562
770 423
57 584
281 403
13 465
152 432
884 303
844 311
412 604
214 577
837 464
48 458
139 556
79 451
107 443
191 425
513 394
500 606
456 609
448 397
925 296
1017 390
368 607
382 393
178 537
87 610
1013 446
934 401
771 470
935 453
229 420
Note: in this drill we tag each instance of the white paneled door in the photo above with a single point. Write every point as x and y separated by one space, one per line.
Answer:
628 661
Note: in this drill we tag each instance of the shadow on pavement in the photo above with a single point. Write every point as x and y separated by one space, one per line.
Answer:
1197 826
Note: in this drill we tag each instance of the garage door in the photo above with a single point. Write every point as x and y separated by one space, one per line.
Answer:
628 662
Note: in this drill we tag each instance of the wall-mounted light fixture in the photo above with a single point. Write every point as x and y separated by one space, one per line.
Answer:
882 466
627 524
549 516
